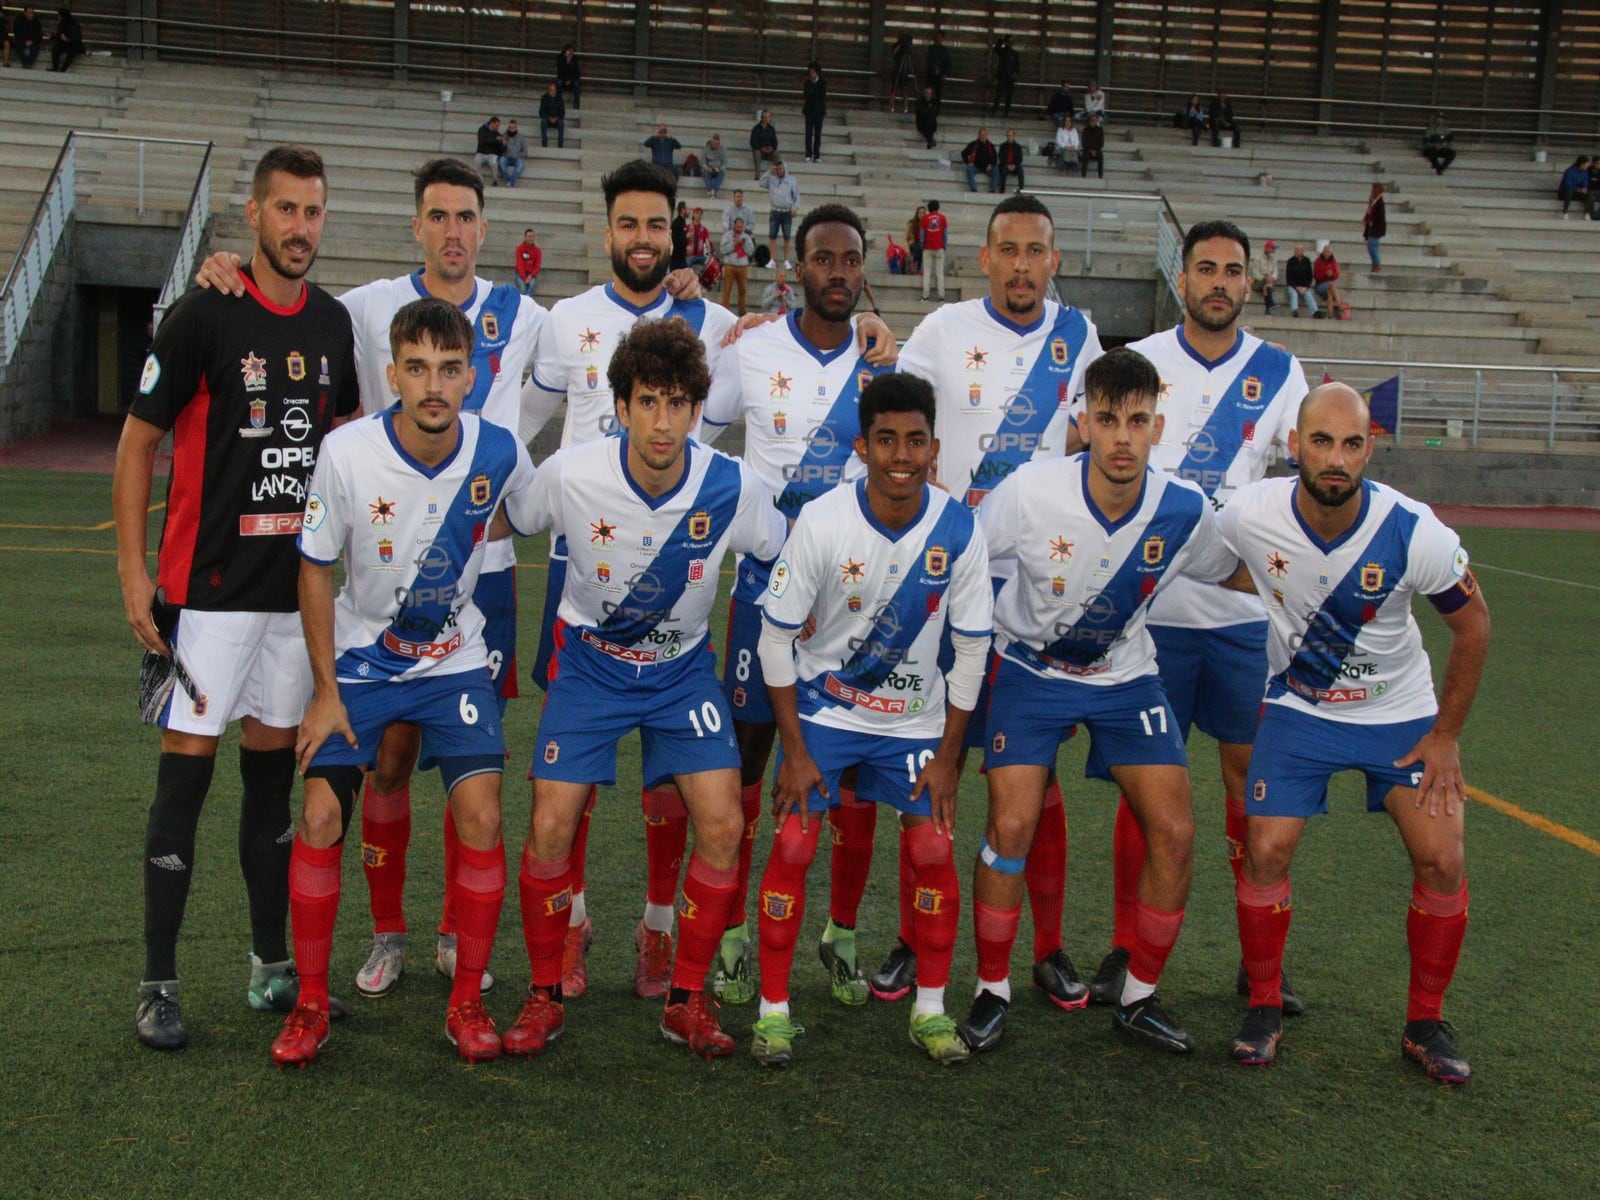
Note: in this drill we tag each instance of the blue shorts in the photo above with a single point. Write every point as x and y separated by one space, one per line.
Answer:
1296 753
593 700
458 715
554 584
496 598
1214 678
742 681
1130 724
886 767
779 224
974 739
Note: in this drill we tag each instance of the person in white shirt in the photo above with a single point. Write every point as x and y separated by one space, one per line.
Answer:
1068 145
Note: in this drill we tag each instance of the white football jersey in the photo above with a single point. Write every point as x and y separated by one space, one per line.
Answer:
1006 392
642 571
584 330
505 334
1342 642
881 600
1076 606
1223 419
412 538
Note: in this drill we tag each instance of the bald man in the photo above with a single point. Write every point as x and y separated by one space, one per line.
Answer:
1337 560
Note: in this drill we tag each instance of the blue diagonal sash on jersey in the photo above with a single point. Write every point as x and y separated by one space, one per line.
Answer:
693 313
499 313
1212 450
822 465
1330 635
1030 411
655 592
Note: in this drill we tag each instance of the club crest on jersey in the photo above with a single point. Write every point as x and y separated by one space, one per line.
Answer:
700 526
254 369
588 340
936 559
778 905
602 572
1058 351
258 414
491 326
780 423
1371 577
382 510
552 751
739 697
1060 549
928 901
697 570
778 385
1252 389
851 571
1155 549
297 366
1277 564
998 742
592 376
1259 793
600 531
200 705
1058 586
480 489
385 550
977 358
853 603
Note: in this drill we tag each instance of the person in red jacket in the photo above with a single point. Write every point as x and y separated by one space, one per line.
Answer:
1325 273
529 259
935 225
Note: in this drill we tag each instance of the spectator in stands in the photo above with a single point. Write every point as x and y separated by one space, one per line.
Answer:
528 261
914 238
1301 280
928 115
1192 116
898 257
1574 186
1325 276
699 239
1094 148
1222 119
1594 187
935 66
900 73
1375 226
1094 103
935 231
569 74
1264 273
783 190
512 155
1060 105
714 163
1069 146
1009 161
66 43
763 143
1006 65
779 296
1436 144
490 146
27 35
813 107
552 115
662 146
979 156
680 236
738 247
737 210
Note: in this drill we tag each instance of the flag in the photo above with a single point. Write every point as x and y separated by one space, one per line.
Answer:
1383 400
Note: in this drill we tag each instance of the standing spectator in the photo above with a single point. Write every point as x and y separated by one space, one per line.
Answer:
1009 161
1437 145
1264 273
783 190
814 107
1574 185
979 156
662 146
1300 279
737 210
680 237
512 155
1223 120
1594 187
552 115
5 40
1375 226
900 73
1060 105
1192 116
1325 278
935 228
699 239
1094 148
1069 146
27 34
66 43
936 65
914 238
738 247
779 296
714 163
928 115
1006 66
763 143
490 144
569 74
529 259
1094 103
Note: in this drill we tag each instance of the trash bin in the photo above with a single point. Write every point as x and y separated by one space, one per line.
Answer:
1227 141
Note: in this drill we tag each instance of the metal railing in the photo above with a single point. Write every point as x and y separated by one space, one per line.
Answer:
27 273
1090 211
194 226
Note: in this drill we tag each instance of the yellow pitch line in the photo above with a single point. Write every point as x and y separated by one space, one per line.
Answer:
56 550
103 527
1543 824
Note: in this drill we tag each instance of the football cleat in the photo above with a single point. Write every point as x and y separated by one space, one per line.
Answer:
937 1034
575 960
849 986
894 980
1293 1006
1106 986
654 972
472 1033
1148 1019
305 1031
444 961
158 1022
1056 978
985 1022
1428 1044
733 985
537 1025
1257 1042
381 973
772 1040
275 987
694 1025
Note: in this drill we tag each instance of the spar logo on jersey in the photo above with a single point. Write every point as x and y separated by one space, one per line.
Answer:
1372 577
778 386
1252 389
780 423
1155 549
780 906
1058 351
383 511
1060 549
385 550
928 901
588 340
297 366
480 489
851 571
700 526
936 560
602 532
977 358
254 369
1277 564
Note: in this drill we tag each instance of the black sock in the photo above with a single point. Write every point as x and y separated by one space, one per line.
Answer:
182 781
677 995
266 837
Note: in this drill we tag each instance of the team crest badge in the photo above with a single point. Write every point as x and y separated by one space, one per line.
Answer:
700 526
382 510
1058 586
975 394
977 358
936 560
928 901
588 340
297 366
1058 352
688 910
385 550
853 603
561 902
1277 564
1259 792
552 751
258 414
373 856
780 423
600 531
200 705
739 697
778 385
1371 577
491 326
1155 548
851 571
254 369
480 489
592 376
777 905
1252 389
602 572
998 742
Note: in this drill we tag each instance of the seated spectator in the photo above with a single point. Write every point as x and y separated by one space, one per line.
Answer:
1325 277
779 296
490 144
898 257
1009 161
552 115
699 239
1060 105
763 143
529 259
1436 144
928 116
981 162
1192 116
1094 148
1222 119
1094 104
569 74
512 155
1069 146
1300 278
714 164
67 42
1574 185
737 210
662 146
1264 273
27 35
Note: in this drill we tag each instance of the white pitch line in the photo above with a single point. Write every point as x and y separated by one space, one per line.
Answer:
1588 587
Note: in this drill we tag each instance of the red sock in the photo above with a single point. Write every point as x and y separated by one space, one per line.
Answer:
1237 823
313 908
1435 928
1155 932
995 931
908 888
1046 874
1264 914
1127 865
782 903
480 891
452 853
702 917
385 834
750 802
936 903
854 826
579 853
546 892
666 834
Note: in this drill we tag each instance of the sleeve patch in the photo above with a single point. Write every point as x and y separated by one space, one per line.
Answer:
150 376
316 512
1461 562
779 583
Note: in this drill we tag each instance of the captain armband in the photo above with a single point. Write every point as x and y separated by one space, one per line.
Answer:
1454 598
